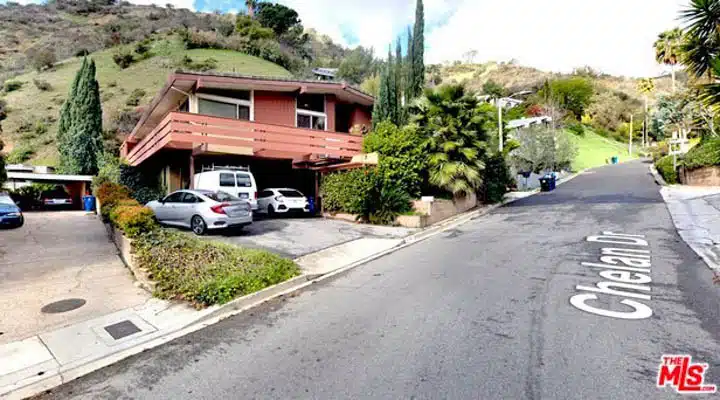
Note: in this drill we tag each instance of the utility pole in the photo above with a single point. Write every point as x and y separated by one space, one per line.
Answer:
500 129
630 135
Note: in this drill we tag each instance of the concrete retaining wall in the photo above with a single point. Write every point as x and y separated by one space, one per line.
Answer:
124 246
705 176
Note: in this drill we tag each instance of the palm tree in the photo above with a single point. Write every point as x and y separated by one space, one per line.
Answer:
451 120
667 49
646 86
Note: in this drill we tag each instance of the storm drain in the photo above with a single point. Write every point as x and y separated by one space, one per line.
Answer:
122 329
63 306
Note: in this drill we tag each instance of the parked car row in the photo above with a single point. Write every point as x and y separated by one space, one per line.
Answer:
224 199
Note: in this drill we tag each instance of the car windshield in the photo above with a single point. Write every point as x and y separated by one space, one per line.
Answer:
221 196
290 193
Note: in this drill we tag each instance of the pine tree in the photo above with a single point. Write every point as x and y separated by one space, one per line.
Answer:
418 60
399 87
393 106
80 130
409 79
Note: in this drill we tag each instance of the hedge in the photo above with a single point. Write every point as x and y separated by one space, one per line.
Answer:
705 154
206 273
665 168
184 266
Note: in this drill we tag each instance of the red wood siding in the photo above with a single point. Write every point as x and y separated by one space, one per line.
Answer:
330 111
275 108
360 116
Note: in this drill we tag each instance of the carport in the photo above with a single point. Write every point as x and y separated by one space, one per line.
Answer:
76 185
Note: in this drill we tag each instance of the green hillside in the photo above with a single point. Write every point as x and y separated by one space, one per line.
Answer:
31 122
594 150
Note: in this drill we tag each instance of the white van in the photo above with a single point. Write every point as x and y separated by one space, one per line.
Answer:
238 182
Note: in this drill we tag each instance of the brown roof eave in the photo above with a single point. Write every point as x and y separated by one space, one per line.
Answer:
153 104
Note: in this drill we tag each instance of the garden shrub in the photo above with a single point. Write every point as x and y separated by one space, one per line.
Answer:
576 128
403 161
659 151
383 202
204 272
666 170
496 181
345 191
20 154
109 194
11 86
705 154
132 218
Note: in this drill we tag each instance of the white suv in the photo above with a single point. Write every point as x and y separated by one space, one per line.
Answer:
282 200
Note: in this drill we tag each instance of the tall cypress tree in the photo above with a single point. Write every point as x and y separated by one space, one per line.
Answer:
382 106
399 87
80 130
418 60
409 78
392 88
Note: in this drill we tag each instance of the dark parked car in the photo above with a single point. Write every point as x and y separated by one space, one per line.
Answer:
10 214
56 198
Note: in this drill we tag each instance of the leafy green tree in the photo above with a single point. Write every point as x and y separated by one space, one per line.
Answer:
493 89
700 48
252 29
418 51
277 17
541 149
371 85
357 65
80 131
572 94
667 49
456 138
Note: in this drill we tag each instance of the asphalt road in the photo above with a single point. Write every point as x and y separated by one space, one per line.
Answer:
480 312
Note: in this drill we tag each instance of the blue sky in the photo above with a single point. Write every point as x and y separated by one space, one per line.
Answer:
613 36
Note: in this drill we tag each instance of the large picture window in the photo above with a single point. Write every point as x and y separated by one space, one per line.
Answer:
310 112
224 107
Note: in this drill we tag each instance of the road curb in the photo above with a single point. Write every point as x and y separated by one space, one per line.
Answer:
62 376
656 175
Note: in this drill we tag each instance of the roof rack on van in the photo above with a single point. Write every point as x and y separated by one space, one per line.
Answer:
214 167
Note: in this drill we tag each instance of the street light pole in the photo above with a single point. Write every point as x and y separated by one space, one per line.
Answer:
630 133
500 129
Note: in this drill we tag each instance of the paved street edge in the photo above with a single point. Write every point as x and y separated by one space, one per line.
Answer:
37 384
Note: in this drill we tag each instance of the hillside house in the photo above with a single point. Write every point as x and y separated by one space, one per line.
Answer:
285 130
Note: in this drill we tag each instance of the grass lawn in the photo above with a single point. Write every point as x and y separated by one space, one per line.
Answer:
30 104
594 150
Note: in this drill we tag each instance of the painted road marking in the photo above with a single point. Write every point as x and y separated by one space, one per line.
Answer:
627 273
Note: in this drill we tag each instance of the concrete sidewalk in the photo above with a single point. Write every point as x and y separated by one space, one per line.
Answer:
695 213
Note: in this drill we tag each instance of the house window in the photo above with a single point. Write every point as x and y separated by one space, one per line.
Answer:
310 112
224 107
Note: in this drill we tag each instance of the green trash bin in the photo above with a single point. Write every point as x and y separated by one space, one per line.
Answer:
615 160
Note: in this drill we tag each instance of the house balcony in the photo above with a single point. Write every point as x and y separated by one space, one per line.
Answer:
203 134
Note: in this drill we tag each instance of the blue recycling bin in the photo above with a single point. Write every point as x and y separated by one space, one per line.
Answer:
88 203
311 204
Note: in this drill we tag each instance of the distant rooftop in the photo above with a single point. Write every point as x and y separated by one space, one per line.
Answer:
326 72
526 122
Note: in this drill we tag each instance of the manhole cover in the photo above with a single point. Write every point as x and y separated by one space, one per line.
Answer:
122 329
63 306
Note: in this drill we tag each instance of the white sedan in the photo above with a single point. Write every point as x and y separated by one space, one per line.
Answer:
281 201
201 210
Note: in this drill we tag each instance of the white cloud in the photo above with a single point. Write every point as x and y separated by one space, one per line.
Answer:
614 36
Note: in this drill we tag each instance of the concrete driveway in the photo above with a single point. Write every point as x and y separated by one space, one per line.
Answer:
295 237
58 256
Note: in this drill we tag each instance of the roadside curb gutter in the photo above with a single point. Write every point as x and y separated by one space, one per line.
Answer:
656 175
50 359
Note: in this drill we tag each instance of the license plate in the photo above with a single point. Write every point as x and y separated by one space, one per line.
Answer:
244 196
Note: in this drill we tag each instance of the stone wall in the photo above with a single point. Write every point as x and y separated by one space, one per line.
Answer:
705 176
440 209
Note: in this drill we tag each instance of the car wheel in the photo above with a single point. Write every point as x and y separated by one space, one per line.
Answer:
270 211
198 226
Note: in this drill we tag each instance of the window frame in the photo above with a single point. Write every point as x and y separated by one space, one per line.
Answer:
228 100
310 113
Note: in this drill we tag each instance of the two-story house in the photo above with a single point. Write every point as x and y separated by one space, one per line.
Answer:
285 130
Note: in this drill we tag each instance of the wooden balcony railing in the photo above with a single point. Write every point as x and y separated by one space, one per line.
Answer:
188 131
